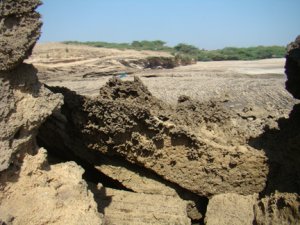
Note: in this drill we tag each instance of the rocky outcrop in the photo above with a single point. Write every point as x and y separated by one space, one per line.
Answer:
32 191
231 209
118 125
278 208
292 68
20 28
44 194
168 161
25 105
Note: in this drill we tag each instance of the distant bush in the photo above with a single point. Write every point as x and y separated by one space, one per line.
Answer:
251 53
186 49
188 53
156 45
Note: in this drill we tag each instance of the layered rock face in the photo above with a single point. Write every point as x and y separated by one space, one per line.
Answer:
32 192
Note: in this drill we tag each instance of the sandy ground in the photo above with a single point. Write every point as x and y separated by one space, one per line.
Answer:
244 83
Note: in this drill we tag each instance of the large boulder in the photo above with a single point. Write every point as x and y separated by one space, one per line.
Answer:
129 123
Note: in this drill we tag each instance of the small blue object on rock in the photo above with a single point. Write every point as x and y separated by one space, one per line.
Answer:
122 75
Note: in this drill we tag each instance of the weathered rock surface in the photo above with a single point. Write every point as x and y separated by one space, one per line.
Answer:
183 152
149 135
292 68
128 208
137 181
279 208
231 209
32 191
25 105
282 147
20 28
142 181
43 194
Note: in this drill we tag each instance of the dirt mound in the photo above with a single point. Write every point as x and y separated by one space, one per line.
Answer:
292 68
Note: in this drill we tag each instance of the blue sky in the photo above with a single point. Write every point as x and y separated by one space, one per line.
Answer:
209 24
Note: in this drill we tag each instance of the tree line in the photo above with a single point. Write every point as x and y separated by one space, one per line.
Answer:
191 52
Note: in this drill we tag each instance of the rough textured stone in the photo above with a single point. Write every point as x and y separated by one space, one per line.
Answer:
279 208
43 194
20 28
149 135
13 7
31 191
142 181
127 208
230 209
25 105
282 147
136 181
292 68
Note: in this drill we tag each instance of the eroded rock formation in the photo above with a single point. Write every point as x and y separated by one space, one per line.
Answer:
128 122
168 160
278 208
231 209
123 207
25 103
234 209
20 28
44 194
32 192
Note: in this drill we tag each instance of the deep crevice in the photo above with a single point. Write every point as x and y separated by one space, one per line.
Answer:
91 175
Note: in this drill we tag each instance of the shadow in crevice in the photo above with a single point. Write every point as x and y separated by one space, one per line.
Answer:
282 147
91 175
100 196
